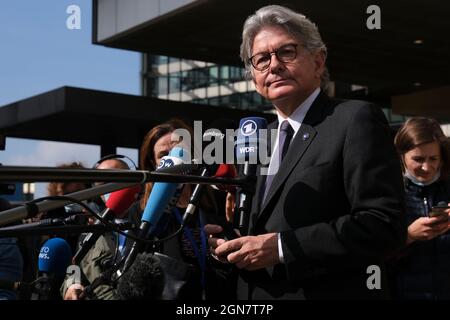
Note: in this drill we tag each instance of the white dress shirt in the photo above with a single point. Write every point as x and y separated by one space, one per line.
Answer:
295 120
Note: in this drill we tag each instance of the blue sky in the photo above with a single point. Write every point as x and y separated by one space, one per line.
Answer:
38 54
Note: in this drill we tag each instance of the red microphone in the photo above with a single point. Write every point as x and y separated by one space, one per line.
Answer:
226 171
119 202
116 206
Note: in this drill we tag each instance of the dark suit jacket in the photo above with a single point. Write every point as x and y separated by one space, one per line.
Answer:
337 202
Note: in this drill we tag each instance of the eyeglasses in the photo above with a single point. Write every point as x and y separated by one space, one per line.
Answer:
286 53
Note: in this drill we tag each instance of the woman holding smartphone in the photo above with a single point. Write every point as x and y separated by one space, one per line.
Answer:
423 271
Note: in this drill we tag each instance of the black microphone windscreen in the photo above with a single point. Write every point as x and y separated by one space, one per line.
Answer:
143 281
221 132
218 129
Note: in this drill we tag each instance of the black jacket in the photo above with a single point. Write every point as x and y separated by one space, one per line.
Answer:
423 270
337 201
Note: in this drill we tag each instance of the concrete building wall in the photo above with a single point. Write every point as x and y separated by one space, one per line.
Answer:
117 16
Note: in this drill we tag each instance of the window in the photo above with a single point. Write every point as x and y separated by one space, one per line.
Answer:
174 82
162 85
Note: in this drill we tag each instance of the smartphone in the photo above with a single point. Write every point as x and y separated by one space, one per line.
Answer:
439 211
228 232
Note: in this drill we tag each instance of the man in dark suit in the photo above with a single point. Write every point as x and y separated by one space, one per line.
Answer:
331 209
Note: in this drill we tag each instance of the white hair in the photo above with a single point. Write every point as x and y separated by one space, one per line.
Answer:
294 23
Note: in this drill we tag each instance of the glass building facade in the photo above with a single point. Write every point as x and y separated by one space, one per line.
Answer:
200 82
219 85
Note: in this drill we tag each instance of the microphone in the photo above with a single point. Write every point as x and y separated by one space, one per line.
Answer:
119 202
248 142
116 206
218 129
221 150
181 169
225 171
222 171
76 219
162 199
31 209
54 258
144 281
164 196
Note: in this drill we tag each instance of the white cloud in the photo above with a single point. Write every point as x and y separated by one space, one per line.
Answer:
50 154
20 152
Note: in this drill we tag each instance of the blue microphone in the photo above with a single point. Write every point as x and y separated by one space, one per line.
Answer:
164 195
252 136
162 199
54 258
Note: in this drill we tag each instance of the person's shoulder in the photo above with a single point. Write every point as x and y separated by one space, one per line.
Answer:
104 246
357 110
352 105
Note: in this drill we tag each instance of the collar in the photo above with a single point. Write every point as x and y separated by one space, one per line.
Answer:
414 180
296 118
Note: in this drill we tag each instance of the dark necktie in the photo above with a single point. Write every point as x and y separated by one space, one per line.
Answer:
286 133
284 139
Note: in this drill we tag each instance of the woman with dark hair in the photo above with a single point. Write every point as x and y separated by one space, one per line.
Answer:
207 276
422 272
157 143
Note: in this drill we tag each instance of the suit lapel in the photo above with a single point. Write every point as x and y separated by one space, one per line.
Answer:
302 140
260 182
261 179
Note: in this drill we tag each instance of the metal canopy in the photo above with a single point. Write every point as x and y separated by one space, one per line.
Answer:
69 114
386 60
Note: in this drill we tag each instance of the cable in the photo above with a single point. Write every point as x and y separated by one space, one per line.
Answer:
110 225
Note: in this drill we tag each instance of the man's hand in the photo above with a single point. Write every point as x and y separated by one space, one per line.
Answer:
250 252
74 292
212 230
